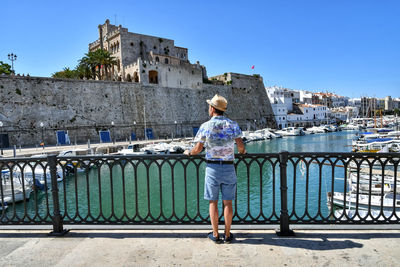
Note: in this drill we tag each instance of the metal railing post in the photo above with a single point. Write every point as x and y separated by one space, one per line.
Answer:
58 228
284 216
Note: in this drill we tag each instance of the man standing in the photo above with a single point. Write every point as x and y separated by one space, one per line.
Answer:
219 135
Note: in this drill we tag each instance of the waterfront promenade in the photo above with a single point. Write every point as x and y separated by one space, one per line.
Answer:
99 147
191 248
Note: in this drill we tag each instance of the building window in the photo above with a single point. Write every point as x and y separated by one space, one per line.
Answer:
131 43
153 77
157 59
135 77
166 60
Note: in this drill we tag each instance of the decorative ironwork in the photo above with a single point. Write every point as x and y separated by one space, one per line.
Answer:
273 188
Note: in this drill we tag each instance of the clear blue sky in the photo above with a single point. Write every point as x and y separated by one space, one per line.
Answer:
350 47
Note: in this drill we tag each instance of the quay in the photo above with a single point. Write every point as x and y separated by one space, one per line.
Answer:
191 248
106 148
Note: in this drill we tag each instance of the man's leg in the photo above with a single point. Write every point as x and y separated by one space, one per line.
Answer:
214 216
228 214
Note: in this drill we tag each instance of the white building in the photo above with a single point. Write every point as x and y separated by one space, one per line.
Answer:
279 95
280 113
305 97
344 114
308 115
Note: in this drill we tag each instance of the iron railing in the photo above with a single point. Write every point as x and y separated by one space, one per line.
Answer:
273 188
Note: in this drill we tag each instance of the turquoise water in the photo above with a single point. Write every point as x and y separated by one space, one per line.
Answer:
172 190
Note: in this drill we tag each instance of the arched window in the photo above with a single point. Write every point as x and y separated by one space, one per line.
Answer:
166 60
153 77
157 59
135 77
128 78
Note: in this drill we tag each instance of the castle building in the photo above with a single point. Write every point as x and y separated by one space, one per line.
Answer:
148 59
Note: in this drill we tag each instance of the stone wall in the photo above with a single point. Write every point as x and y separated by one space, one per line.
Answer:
85 107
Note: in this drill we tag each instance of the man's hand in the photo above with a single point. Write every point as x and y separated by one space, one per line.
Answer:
240 146
186 152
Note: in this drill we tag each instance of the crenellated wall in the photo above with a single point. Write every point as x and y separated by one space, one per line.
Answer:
85 107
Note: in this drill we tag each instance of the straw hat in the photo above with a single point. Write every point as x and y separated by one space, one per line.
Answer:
218 102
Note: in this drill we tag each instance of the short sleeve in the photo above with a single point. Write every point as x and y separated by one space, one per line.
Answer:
237 132
201 134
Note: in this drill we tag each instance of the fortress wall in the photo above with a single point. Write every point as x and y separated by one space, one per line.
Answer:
85 107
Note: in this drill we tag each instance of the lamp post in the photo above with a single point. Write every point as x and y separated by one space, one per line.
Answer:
255 124
42 126
112 129
176 128
134 128
1 137
12 57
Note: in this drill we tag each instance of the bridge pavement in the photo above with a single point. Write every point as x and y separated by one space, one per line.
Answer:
191 248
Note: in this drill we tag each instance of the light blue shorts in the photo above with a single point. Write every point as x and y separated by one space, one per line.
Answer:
220 177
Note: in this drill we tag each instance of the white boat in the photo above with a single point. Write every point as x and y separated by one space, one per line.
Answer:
70 166
364 215
289 131
376 188
41 175
329 128
265 133
316 129
274 134
15 188
130 151
164 148
365 202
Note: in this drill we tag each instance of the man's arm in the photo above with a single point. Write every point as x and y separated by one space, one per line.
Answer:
196 150
240 145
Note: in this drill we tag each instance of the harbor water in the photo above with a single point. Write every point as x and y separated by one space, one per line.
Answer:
169 191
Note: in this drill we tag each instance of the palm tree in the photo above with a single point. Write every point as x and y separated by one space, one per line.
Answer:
98 62
106 61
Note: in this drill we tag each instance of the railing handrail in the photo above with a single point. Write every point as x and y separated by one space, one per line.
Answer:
278 161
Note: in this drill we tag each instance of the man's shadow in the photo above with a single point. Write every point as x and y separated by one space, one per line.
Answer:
312 241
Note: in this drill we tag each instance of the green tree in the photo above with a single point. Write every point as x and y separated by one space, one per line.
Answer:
5 68
99 62
396 111
66 73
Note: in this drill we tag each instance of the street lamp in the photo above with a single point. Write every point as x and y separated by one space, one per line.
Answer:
12 57
1 136
42 126
255 124
112 128
176 128
134 128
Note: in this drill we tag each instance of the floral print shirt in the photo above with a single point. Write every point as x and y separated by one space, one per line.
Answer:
218 136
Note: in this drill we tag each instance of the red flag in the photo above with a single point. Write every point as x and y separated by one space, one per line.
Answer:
252 67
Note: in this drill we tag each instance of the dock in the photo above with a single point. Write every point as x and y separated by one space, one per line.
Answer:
96 148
